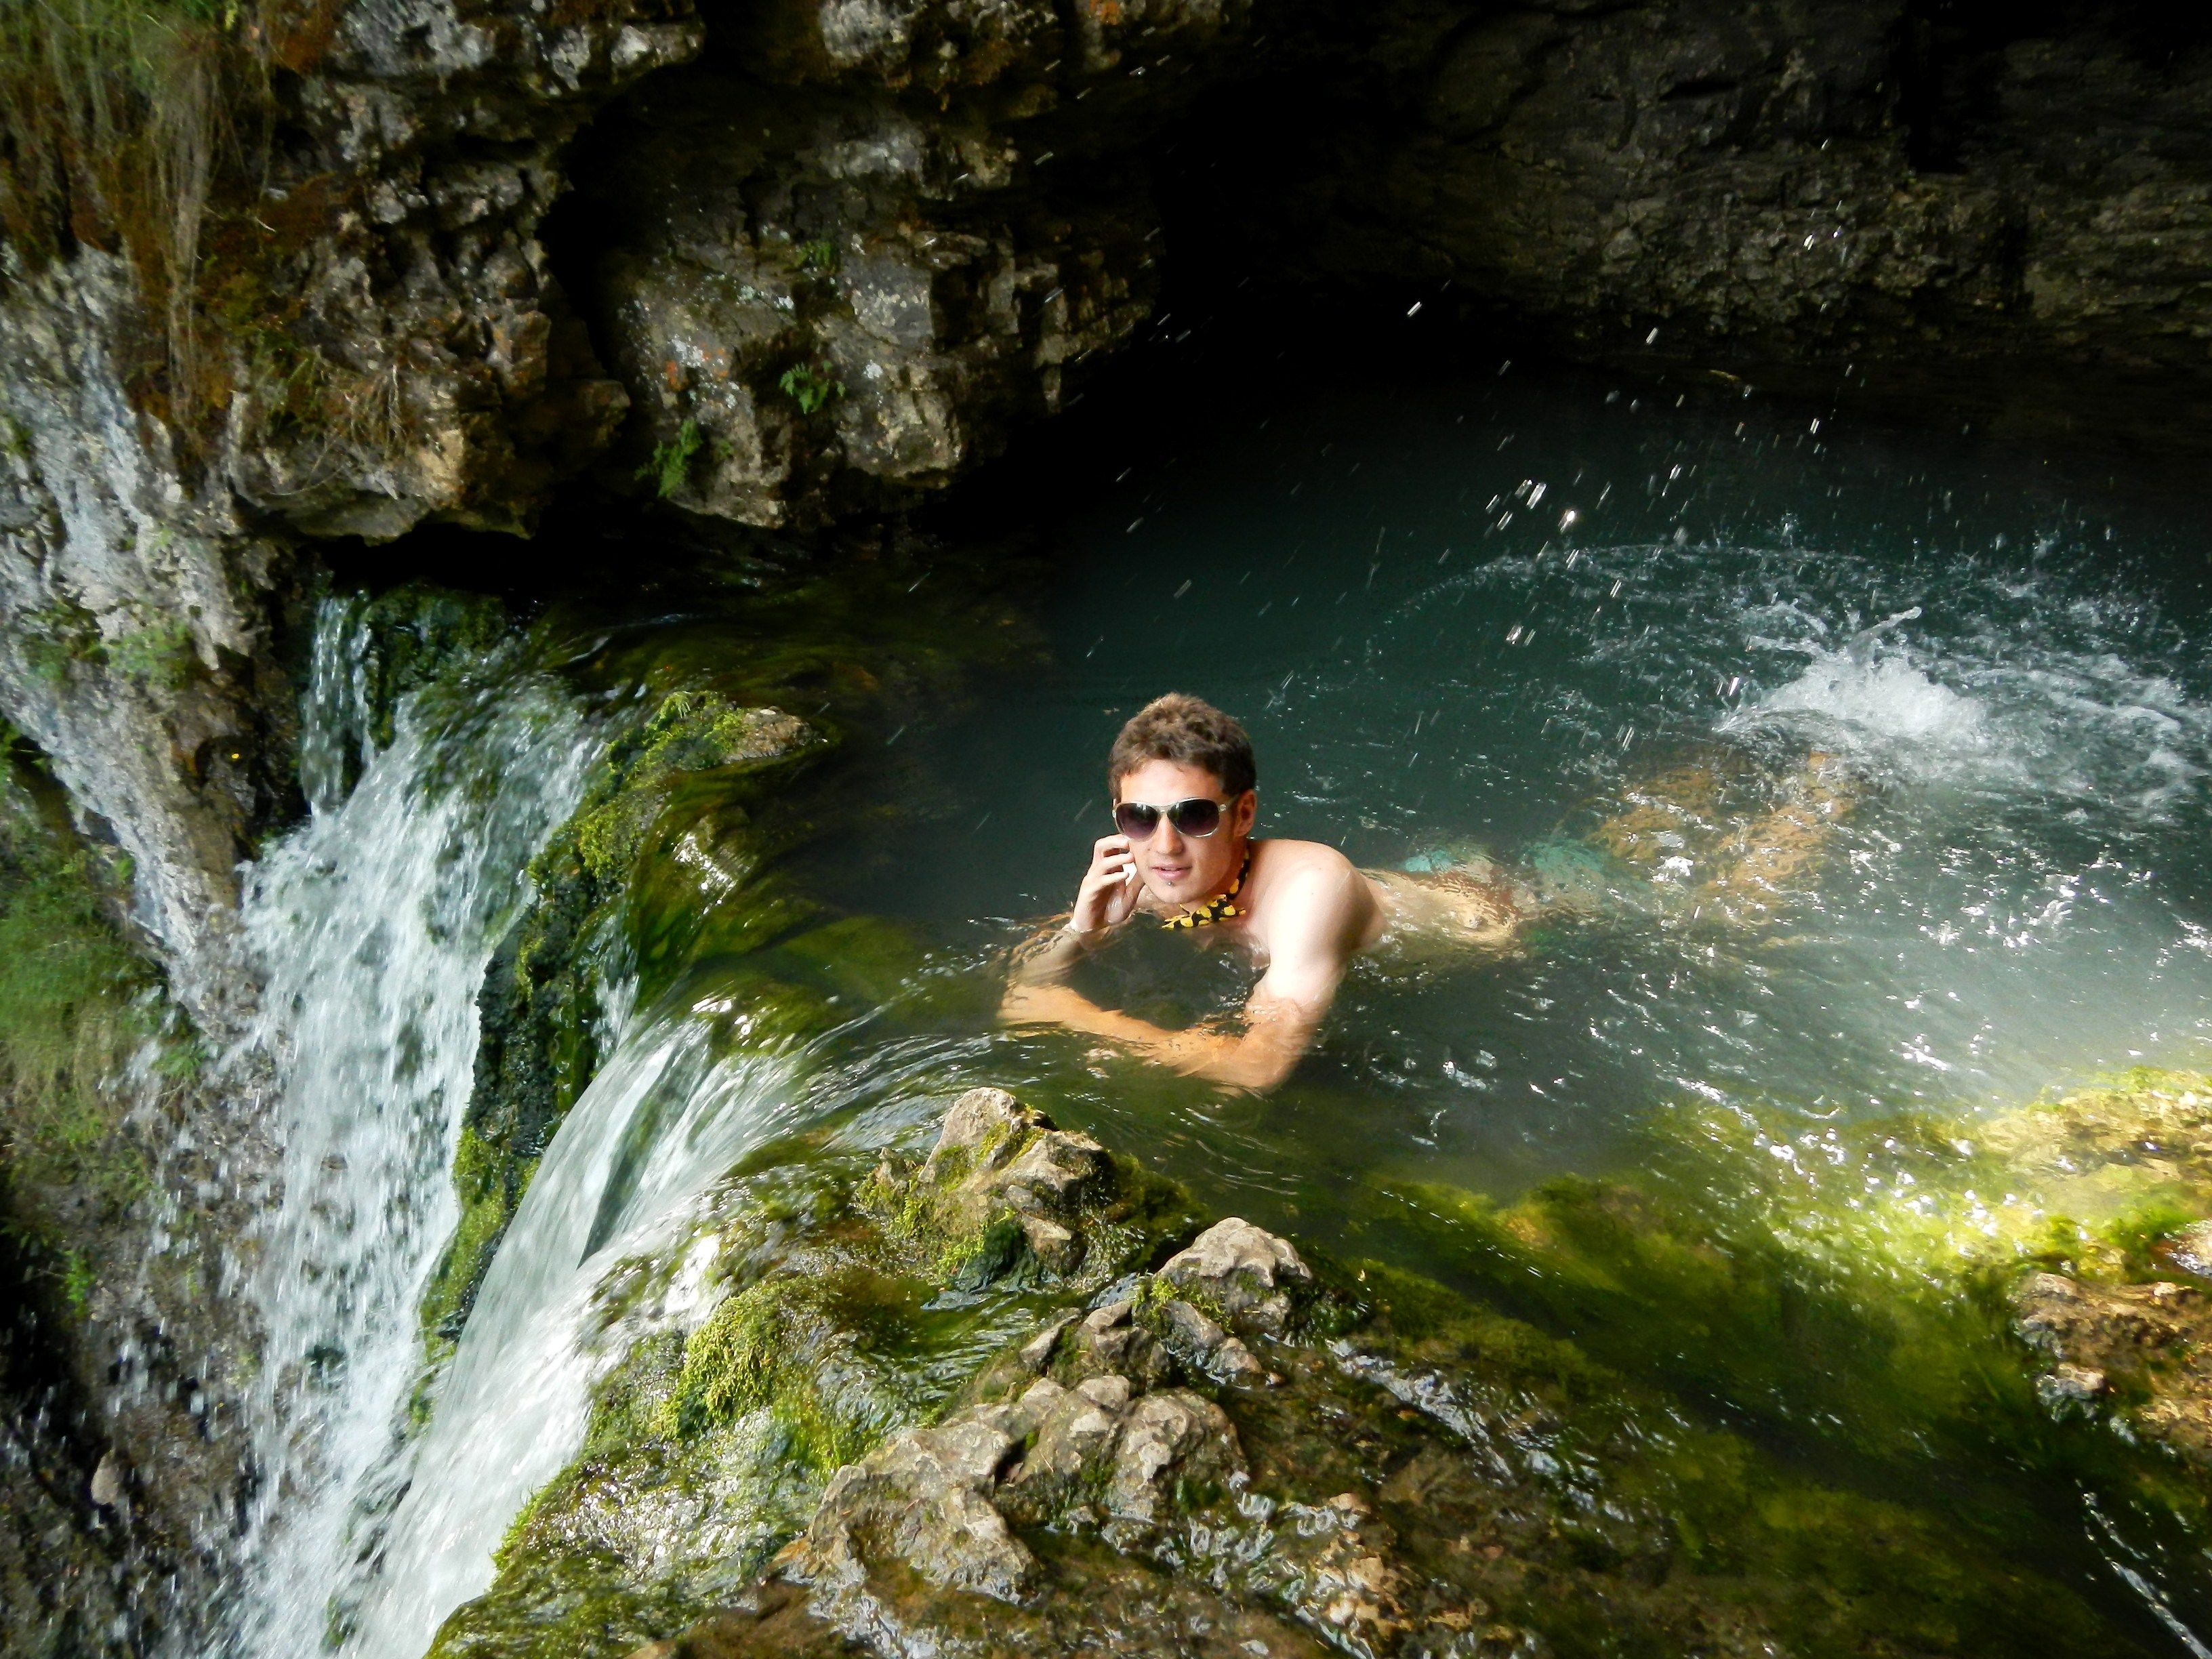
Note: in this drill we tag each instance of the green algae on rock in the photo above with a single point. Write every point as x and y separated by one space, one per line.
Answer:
541 1003
1238 1445
1994 1292
834 1330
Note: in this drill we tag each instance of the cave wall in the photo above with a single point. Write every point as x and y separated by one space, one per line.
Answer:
820 260
1908 189
843 259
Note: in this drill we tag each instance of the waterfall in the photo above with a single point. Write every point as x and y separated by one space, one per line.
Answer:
373 924
624 1174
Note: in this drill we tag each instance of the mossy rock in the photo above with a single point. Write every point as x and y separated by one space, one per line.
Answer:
77 1005
594 894
665 870
419 632
1404 1467
1993 1297
834 1326
1436 1478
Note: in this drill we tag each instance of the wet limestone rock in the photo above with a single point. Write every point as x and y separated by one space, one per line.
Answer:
936 1502
1407 1470
2121 1321
811 1354
2145 1350
922 1500
1247 1273
1001 1182
1396 1489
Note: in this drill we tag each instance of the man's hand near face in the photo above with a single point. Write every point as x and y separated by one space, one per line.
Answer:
1110 888
1106 898
1317 917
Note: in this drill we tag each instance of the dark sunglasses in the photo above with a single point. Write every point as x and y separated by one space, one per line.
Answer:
1198 817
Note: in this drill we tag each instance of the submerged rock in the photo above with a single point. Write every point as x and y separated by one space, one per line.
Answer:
2117 1333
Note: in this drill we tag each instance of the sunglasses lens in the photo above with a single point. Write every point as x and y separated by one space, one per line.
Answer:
1196 818
1135 820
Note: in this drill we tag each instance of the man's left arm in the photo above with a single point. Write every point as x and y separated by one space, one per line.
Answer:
1313 935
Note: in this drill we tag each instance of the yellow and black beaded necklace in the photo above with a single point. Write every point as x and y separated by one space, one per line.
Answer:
1219 907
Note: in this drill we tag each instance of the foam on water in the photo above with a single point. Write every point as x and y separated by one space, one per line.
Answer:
1872 701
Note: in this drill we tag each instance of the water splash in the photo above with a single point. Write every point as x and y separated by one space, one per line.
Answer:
1869 699
657 1124
373 924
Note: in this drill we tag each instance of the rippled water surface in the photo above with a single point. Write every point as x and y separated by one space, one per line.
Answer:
1498 614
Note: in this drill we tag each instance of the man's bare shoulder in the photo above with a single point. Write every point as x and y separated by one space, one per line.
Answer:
1277 859
1306 884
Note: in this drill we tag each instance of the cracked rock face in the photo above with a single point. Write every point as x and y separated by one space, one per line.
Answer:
839 267
935 1501
997 1159
1826 183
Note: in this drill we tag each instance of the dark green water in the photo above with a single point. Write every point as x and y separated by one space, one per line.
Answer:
1486 613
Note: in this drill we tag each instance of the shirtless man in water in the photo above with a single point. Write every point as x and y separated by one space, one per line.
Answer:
1183 781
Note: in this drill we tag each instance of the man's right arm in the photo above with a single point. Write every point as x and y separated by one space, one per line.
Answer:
1106 898
1049 955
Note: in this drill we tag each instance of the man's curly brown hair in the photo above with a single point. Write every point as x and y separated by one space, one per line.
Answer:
1190 731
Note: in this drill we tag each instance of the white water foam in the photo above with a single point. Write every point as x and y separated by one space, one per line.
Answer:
1982 691
623 1176
1879 707
374 924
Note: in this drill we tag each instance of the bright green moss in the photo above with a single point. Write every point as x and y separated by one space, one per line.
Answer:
486 1208
601 910
819 1352
734 1363
76 1005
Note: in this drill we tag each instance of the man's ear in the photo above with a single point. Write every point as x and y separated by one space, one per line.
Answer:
1244 813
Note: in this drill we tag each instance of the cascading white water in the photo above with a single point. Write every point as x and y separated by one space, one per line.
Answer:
373 924
659 1122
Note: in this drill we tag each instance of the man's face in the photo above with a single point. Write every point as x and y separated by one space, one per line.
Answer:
1179 868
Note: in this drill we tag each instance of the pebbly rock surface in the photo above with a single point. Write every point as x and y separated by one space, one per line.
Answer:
2124 1332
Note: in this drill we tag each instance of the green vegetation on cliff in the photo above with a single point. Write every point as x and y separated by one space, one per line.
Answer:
543 996
719 726
76 1005
135 127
